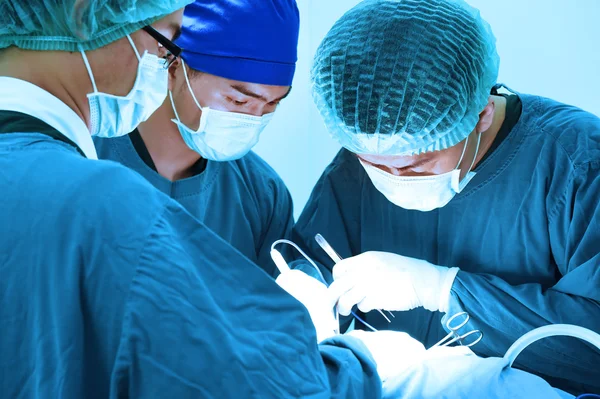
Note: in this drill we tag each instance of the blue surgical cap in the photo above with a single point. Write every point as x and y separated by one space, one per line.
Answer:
249 41
404 77
64 25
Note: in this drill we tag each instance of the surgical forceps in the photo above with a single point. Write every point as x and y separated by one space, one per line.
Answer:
454 324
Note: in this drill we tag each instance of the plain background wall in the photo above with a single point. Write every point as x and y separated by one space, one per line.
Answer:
547 47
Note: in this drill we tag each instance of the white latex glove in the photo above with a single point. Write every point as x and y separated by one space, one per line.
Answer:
315 297
382 280
393 351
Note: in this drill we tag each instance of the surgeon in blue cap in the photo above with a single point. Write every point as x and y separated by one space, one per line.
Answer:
237 65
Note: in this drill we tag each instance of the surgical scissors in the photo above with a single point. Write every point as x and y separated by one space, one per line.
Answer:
454 335
336 258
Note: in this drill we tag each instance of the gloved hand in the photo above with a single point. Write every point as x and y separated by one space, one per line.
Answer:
393 351
382 280
315 297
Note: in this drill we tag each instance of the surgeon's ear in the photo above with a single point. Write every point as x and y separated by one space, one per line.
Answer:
486 117
173 72
80 25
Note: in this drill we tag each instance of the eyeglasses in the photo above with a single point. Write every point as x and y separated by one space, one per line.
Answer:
173 50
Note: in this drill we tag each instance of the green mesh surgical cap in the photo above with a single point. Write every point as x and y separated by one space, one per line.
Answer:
64 24
404 77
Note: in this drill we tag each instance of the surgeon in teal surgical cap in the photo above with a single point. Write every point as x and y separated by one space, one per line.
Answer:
453 193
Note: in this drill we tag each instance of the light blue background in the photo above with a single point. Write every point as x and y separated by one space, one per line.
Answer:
547 47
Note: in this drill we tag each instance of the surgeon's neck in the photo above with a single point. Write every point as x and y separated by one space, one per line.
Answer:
60 73
171 156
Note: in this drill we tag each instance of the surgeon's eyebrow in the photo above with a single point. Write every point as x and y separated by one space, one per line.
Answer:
252 94
416 164
176 28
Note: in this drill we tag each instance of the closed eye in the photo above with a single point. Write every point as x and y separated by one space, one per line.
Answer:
236 102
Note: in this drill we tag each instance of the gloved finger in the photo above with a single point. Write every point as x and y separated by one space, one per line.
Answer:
284 280
350 265
351 298
300 285
291 279
340 286
330 298
360 334
367 304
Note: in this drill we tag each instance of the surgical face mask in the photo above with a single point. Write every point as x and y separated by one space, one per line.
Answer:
421 193
114 116
221 136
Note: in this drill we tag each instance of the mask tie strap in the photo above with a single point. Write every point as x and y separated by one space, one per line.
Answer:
89 68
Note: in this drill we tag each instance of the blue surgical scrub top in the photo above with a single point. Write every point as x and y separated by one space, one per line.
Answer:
243 201
525 233
110 289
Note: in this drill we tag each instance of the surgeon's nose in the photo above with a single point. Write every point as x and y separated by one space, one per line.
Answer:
255 110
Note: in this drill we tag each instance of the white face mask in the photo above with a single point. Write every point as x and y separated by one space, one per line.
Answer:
421 193
114 116
221 136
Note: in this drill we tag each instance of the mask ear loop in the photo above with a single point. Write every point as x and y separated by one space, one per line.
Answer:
187 81
463 153
476 151
173 106
472 162
202 122
137 54
89 68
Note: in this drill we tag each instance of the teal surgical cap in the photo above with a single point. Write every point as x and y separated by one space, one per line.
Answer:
63 25
405 77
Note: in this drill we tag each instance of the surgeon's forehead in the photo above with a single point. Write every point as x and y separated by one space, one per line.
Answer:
170 26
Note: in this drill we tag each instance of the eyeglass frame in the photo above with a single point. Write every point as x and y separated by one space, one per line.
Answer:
172 49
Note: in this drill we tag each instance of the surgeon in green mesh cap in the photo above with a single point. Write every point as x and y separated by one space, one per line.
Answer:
108 288
453 194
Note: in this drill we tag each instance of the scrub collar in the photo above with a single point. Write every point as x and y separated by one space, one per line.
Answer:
21 96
